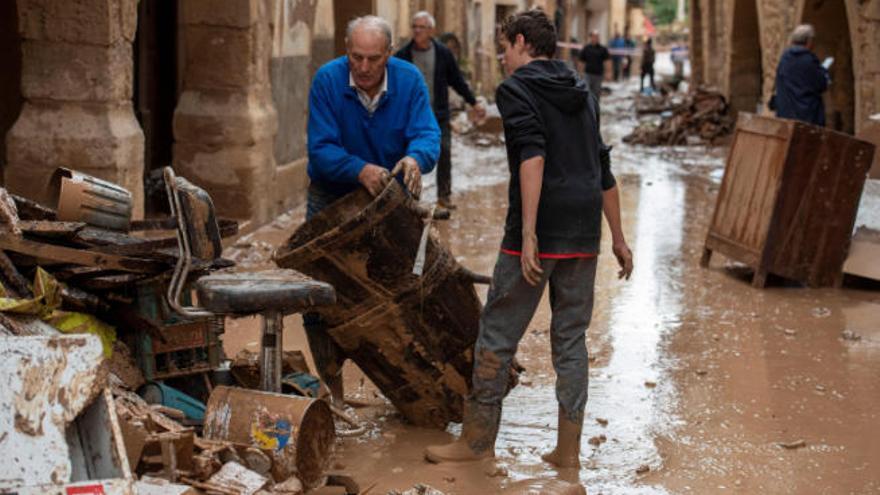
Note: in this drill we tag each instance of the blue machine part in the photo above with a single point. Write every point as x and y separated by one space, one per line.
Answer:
159 393
304 381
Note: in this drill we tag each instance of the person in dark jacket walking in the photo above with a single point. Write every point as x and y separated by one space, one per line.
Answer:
560 183
440 70
593 57
801 80
647 65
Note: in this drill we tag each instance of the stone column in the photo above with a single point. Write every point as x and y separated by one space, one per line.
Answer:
225 121
77 71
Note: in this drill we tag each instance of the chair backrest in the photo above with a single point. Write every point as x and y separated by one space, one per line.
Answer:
196 218
198 235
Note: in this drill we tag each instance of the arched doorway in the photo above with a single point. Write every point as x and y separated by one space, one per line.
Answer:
343 12
829 19
745 74
10 77
156 88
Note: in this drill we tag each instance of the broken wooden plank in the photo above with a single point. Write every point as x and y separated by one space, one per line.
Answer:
84 257
50 228
9 218
12 279
31 210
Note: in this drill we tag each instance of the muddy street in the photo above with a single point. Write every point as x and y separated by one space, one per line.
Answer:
698 382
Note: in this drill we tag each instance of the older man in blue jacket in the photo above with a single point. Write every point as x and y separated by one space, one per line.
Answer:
368 112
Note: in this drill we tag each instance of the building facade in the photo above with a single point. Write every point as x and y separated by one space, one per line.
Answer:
736 46
219 90
121 88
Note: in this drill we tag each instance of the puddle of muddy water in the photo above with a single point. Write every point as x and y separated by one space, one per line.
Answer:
699 377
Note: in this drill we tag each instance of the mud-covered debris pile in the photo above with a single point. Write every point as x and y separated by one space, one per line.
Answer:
149 365
702 118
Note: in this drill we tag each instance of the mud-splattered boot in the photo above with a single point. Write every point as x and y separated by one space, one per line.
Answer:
477 441
568 443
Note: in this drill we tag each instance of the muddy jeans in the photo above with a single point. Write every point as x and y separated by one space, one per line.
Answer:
328 356
509 309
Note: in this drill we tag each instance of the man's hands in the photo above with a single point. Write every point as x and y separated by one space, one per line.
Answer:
624 259
374 178
531 265
479 113
412 176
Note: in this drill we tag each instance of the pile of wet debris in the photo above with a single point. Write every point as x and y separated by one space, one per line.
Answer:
72 425
107 388
701 117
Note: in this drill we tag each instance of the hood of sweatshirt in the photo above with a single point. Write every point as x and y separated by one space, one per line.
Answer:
556 83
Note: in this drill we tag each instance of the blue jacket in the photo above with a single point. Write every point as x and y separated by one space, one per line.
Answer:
800 82
343 136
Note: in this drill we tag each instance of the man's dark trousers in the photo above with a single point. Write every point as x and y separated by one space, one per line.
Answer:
444 165
327 354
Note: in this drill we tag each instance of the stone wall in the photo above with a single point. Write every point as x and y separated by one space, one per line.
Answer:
290 72
848 30
225 122
322 36
697 48
76 81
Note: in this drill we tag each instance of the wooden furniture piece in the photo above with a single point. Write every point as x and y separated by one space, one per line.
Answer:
412 335
788 200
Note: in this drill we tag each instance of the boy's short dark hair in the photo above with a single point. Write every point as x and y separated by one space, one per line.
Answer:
537 30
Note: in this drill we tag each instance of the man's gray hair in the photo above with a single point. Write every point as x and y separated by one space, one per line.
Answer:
370 22
424 14
802 34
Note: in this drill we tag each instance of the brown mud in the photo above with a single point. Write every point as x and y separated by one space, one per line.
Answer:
698 382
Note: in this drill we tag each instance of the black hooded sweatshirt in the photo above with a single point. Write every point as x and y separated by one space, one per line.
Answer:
548 111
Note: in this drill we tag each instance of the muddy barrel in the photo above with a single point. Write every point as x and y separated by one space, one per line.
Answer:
298 431
413 336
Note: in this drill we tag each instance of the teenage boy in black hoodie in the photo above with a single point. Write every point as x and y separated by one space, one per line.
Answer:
560 182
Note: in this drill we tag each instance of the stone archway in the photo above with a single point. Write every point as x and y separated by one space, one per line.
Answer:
76 79
829 18
744 73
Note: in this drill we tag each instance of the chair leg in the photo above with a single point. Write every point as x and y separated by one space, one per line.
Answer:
270 353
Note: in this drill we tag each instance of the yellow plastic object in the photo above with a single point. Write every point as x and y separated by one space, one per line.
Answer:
45 304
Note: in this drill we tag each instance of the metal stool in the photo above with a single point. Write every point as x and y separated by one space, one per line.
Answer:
271 293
